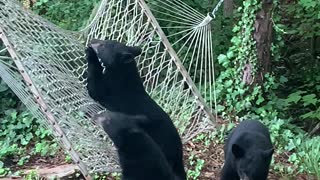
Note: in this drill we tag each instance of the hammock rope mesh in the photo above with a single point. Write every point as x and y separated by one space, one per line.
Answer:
44 66
191 37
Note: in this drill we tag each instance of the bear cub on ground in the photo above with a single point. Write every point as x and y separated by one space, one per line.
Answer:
114 81
140 157
248 152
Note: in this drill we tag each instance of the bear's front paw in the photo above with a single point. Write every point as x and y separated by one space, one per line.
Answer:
91 55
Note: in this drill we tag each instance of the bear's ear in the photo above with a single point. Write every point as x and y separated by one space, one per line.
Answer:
126 57
130 53
268 153
237 151
135 50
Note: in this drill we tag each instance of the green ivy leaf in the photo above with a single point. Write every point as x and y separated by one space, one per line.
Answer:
228 83
19 126
39 147
259 100
292 31
283 79
24 141
23 160
223 60
230 54
2 172
290 145
14 115
309 99
294 97
307 115
29 136
293 157
220 108
236 29
308 3
236 40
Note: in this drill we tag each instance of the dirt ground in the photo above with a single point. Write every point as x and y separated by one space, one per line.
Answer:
40 162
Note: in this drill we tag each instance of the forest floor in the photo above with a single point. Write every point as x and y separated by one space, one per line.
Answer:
212 155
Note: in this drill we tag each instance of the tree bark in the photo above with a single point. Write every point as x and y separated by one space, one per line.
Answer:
227 8
263 36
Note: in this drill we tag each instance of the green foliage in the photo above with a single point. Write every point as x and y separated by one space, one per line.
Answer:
68 159
203 138
68 14
3 170
19 133
231 90
198 165
115 176
307 103
309 156
220 133
304 14
203 6
32 175
286 137
298 63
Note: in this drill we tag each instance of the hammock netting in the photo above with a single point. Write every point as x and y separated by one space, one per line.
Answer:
44 66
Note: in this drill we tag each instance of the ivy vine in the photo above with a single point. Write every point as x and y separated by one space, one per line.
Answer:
234 95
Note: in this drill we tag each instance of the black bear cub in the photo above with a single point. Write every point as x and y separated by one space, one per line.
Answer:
113 80
140 157
248 152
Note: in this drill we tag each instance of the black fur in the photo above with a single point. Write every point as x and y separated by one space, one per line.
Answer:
120 89
248 152
140 157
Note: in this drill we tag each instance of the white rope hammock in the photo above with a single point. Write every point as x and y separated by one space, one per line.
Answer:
192 41
44 66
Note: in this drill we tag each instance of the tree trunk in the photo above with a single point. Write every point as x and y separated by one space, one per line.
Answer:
227 8
263 36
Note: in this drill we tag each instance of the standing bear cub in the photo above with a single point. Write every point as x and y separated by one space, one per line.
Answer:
140 157
248 152
113 80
